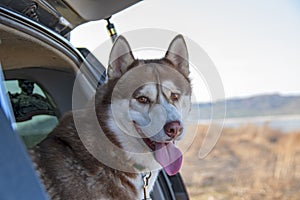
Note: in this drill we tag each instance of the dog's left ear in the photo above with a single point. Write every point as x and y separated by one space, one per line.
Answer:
178 54
120 58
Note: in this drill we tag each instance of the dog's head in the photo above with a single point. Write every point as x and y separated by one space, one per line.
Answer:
150 100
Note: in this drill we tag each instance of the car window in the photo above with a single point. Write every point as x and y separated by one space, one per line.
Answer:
34 110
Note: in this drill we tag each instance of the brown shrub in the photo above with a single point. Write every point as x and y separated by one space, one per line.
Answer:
248 162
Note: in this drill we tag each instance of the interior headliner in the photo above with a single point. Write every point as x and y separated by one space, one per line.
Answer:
20 50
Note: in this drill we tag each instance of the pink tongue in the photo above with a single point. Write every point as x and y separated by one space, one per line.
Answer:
169 156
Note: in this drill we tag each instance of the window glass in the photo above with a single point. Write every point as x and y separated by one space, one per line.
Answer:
33 109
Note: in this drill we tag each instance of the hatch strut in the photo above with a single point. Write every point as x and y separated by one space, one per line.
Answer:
111 30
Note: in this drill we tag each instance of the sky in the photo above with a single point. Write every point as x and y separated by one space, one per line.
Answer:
254 44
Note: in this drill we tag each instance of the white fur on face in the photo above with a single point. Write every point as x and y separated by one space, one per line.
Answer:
152 117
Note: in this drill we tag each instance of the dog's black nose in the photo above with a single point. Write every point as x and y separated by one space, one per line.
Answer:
172 129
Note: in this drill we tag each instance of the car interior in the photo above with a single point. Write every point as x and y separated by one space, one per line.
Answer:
52 74
40 69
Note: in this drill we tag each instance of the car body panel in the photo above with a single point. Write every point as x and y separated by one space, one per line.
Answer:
63 16
90 10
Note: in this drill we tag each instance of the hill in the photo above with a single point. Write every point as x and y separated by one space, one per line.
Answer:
262 105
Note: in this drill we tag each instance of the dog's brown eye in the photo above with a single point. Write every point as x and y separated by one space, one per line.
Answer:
143 100
174 96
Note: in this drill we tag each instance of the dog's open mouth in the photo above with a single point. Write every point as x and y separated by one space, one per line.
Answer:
149 143
165 153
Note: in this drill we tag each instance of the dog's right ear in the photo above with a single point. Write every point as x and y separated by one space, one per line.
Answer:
120 58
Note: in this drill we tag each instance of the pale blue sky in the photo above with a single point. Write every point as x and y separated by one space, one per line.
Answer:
254 44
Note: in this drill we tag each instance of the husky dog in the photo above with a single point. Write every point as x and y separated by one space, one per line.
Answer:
140 110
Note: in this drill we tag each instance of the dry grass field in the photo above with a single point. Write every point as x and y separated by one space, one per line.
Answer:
247 163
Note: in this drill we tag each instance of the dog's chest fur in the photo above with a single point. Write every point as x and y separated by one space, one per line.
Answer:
69 171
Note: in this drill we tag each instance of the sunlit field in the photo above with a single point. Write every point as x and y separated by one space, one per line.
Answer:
248 162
